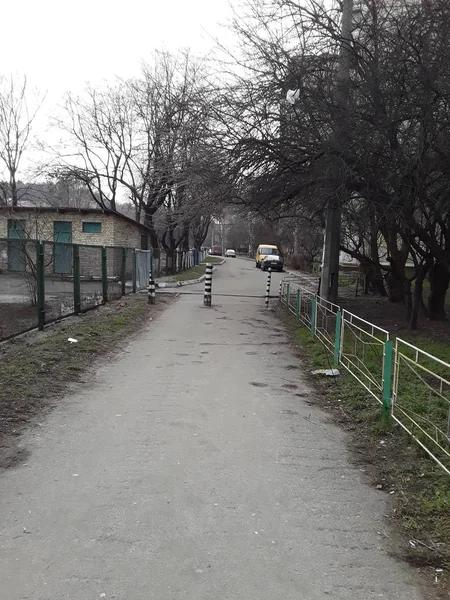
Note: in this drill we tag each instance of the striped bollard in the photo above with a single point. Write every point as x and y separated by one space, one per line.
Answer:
269 276
208 285
280 292
151 288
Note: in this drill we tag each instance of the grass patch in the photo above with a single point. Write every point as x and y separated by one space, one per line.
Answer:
420 498
197 271
39 368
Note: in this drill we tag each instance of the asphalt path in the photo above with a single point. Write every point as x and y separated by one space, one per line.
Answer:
195 466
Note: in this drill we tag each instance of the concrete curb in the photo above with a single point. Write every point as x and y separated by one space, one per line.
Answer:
176 284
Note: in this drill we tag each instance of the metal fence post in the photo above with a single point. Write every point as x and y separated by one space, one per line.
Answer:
337 339
313 315
269 276
151 290
40 282
104 275
123 270
76 279
288 293
208 285
387 377
134 270
297 305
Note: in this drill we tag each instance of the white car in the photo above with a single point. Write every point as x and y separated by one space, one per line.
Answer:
230 253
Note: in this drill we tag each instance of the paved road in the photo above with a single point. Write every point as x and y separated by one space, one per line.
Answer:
193 467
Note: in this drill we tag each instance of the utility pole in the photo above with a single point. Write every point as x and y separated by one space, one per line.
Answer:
332 241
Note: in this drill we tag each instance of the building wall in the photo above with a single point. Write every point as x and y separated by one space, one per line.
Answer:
126 234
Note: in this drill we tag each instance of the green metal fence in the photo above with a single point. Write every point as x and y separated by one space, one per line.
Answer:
365 351
43 281
421 399
416 392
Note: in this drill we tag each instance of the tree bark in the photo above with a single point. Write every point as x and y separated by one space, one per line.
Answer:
439 282
407 299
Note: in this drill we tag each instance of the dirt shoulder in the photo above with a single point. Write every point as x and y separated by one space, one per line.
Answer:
419 491
39 368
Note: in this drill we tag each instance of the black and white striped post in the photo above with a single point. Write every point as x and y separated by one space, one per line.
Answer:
269 277
151 287
208 285
280 291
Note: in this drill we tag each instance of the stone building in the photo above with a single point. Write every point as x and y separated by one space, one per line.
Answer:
60 228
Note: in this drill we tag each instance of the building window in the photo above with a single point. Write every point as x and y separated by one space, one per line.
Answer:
89 227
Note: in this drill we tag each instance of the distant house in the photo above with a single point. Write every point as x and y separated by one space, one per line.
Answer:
63 227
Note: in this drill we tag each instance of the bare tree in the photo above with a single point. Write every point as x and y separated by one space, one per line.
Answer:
16 121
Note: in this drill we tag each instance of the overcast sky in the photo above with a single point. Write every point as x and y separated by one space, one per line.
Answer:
59 44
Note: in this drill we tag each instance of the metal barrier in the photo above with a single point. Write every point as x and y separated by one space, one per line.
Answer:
328 326
420 385
143 266
421 400
365 351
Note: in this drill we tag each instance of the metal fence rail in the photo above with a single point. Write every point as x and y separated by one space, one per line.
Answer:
421 400
328 325
41 282
420 384
363 353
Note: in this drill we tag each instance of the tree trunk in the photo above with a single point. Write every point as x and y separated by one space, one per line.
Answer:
407 299
376 273
14 192
185 242
417 302
439 282
395 285
417 299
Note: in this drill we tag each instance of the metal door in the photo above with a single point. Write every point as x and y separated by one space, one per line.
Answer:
16 245
62 248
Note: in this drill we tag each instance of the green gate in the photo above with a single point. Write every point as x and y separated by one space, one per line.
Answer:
62 248
16 245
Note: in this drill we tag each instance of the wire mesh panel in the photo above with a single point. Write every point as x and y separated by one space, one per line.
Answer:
143 264
58 281
362 352
114 272
128 264
18 286
90 270
421 400
325 323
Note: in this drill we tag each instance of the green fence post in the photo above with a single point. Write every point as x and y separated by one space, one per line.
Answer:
387 378
288 293
313 316
40 285
337 339
104 275
134 271
123 270
297 306
76 279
